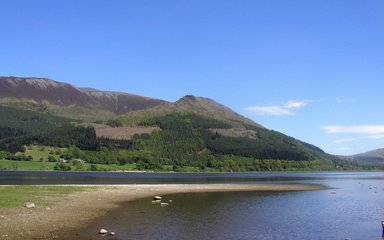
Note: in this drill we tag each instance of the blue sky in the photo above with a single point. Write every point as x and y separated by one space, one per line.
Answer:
310 69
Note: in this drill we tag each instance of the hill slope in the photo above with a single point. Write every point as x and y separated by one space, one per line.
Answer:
192 131
375 156
202 106
22 127
41 94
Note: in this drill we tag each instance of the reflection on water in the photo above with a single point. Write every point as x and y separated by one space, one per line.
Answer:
352 209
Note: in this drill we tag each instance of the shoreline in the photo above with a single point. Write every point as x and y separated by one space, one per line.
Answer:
71 212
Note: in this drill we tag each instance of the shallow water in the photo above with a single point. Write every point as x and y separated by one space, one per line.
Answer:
352 209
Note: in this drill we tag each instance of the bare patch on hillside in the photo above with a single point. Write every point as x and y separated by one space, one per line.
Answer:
235 132
123 132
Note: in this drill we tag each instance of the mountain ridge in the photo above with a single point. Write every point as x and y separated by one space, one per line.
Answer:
56 94
91 104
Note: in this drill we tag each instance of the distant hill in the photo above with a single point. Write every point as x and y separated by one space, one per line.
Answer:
375 156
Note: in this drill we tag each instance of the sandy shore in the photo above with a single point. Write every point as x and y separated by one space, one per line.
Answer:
73 211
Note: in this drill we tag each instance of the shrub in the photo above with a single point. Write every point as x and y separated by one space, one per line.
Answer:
62 167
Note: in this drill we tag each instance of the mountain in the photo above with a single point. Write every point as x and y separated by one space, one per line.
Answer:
198 105
62 99
66 100
193 131
375 156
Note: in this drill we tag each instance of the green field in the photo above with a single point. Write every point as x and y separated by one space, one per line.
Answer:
40 162
41 153
17 196
25 165
49 166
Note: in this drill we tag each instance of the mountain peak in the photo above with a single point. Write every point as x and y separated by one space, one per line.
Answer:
189 97
211 108
198 99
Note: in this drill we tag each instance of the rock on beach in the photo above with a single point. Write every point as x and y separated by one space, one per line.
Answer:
30 205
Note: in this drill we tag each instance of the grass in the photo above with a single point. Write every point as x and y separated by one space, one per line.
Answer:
40 162
25 165
43 166
17 196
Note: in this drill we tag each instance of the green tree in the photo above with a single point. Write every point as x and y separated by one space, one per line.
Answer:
51 158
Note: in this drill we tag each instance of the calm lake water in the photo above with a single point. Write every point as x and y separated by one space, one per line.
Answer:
353 207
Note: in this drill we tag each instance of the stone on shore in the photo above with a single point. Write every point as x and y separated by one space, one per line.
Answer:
157 198
103 231
30 205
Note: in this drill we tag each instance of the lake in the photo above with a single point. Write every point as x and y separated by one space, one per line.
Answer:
56 177
352 209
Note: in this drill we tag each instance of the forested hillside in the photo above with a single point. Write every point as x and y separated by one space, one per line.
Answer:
185 141
20 127
192 134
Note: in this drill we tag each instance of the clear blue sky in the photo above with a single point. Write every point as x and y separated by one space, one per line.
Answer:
311 69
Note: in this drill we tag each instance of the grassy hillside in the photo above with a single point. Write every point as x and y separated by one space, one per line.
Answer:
43 153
